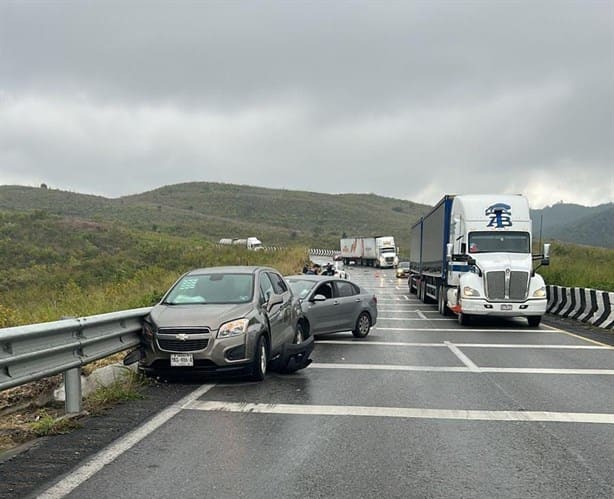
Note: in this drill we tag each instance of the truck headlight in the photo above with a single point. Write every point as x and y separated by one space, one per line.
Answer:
540 293
469 291
233 328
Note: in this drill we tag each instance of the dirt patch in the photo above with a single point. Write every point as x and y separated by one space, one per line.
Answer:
23 407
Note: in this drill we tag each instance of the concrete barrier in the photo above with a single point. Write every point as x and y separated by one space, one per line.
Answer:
586 305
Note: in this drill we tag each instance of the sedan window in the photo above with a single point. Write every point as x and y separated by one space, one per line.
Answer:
325 289
346 288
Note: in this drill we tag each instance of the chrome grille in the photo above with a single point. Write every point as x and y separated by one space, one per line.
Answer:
519 285
182 345
496 286
182 330
183 339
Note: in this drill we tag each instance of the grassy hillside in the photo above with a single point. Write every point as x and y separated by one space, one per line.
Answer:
212 211
580 266
53 266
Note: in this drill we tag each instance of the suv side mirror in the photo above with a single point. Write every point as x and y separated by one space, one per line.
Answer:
274 299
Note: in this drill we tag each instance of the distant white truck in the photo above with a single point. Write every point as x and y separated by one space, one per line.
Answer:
251 243
378 251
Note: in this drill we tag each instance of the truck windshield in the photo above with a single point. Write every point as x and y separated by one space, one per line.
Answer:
499 242
387 250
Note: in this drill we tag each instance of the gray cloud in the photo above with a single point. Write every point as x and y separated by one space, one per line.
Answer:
402 99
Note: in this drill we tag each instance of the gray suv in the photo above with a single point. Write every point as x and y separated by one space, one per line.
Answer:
226 319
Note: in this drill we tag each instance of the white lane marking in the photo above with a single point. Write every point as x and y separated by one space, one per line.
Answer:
462 330
462 357
423 318
509 370
404 412
387 367
463 345
532 370
379 343
113 451
421 314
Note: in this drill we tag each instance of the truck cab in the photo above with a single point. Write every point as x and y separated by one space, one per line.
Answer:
489 267
386 252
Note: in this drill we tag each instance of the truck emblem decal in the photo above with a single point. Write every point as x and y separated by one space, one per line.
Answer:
500 215
182 336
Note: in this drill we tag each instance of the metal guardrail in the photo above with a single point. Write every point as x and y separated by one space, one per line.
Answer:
591 306
36 351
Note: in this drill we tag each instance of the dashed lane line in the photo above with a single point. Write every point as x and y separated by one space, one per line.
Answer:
402 412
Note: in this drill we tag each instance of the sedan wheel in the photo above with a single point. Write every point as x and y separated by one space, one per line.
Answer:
363 325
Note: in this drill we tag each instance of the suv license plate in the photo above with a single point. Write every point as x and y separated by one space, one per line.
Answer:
182 360
506 307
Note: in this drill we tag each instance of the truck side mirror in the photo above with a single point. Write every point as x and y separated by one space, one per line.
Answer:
546 257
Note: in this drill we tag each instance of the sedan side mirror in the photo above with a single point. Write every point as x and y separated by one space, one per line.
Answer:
318 298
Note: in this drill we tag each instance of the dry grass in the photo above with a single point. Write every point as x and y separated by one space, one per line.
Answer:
28 411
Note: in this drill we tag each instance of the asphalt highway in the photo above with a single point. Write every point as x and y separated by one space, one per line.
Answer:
422 407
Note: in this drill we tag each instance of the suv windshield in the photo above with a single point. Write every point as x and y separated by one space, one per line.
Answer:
212 288
499 242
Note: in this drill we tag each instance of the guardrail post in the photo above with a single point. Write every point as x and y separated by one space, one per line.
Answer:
72 387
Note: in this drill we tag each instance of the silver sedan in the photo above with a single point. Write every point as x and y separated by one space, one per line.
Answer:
333 305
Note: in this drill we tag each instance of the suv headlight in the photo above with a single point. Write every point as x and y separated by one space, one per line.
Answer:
540 293
233 328
469 291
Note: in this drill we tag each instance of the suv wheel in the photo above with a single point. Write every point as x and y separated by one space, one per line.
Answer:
260 360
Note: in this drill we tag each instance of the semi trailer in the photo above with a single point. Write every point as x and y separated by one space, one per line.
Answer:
376 251
471 254
251 243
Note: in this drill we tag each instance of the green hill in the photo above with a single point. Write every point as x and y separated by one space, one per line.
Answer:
573 223
211 211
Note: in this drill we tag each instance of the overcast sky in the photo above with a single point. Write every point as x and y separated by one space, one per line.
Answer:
403 99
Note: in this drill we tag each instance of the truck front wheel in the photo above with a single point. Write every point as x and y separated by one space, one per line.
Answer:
463 319
534 320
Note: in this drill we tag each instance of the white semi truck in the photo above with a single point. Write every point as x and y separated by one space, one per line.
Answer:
378 251
472 256
251 243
